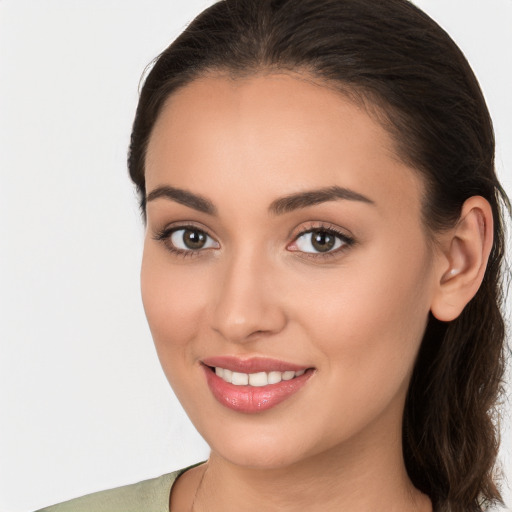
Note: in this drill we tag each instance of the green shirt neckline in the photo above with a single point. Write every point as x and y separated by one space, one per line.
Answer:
150 495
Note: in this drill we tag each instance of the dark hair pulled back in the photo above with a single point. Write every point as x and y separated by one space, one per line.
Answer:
397 61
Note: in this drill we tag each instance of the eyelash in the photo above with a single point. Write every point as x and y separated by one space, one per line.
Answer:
347 241
165 234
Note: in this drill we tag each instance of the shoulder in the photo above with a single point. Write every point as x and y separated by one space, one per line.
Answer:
146 496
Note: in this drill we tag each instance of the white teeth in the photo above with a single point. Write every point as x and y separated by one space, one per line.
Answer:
240 379
274 377
256 379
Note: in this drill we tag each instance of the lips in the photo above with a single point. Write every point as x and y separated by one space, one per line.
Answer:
253 385
252 365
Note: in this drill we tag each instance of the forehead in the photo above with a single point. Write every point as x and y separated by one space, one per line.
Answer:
274 134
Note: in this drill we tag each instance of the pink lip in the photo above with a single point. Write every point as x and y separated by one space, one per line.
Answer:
250 399
252 365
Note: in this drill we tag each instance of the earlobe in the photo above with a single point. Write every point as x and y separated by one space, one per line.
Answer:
464 259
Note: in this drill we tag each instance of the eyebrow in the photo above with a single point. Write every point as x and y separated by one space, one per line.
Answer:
279 206
311 197
183 197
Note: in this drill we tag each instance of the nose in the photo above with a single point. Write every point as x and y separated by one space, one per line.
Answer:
247 306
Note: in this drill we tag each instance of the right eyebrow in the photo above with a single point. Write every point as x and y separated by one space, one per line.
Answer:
194 201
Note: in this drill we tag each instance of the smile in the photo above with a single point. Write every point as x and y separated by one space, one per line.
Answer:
264 384
259 379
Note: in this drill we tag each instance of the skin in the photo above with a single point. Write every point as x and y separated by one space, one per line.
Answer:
356 315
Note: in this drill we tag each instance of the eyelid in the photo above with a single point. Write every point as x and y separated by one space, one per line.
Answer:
176 225
309 226
312 226
164 235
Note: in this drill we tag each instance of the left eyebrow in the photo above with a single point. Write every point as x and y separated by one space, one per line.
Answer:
307 198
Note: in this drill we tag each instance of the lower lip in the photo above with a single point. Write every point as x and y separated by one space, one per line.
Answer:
252 399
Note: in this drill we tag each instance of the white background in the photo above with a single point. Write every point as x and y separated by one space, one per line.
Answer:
84 404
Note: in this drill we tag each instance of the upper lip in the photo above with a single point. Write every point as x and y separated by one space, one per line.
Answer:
252 364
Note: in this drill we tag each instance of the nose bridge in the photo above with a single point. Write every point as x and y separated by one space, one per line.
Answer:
246 302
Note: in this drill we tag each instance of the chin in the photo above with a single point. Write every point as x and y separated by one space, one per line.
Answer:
261 447
258 457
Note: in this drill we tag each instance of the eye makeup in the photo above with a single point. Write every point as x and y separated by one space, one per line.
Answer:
316 240
325 239
191 242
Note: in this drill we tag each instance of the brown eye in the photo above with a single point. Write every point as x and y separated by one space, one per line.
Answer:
318 241
190 239
322 241
194 239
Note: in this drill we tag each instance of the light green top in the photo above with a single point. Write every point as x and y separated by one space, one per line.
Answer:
146 496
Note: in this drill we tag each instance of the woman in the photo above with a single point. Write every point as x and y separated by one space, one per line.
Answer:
321 270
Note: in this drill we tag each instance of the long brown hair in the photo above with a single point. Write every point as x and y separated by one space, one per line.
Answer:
393 58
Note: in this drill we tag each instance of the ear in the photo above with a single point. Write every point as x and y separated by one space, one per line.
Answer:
465 252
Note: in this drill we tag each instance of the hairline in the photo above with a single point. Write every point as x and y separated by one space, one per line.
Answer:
375 105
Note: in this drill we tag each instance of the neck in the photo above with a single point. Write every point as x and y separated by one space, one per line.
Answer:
365 473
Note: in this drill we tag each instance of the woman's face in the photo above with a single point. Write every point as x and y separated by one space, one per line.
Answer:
283 235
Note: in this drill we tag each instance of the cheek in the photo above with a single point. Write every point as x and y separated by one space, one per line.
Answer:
368 318
173 304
